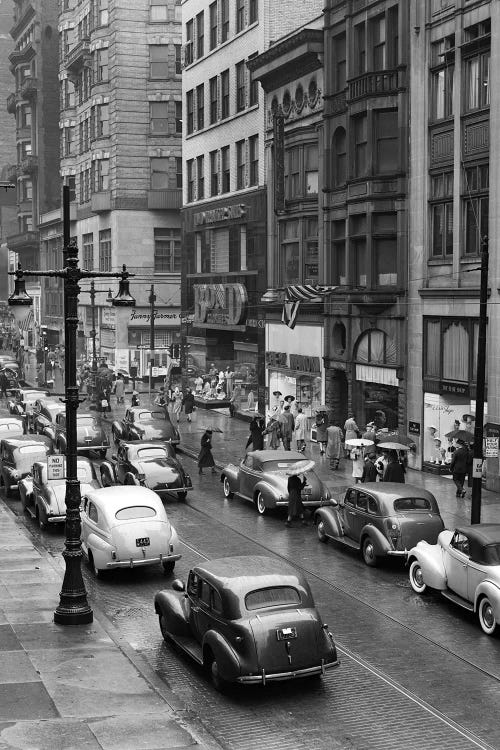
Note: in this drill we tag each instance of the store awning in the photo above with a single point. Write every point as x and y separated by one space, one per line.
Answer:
383 375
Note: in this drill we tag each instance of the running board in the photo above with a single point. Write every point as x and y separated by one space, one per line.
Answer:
190 646
456 599
345 540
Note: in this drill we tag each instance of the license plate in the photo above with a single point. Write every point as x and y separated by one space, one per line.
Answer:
286 634
142 542
307 491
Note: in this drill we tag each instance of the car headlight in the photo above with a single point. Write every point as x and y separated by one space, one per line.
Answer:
141 478
15 474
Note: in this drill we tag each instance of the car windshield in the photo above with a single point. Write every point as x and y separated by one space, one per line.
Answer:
281 465
146 416
87 422
403 504
492 554
159 452
275 596
53 407
135 511
10 426
29 449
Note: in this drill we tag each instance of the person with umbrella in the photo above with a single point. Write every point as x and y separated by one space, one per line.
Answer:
273 429
256 438
205 457
459 466
394 471
295 507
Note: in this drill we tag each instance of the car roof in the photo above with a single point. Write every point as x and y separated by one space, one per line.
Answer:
277 455
18 440
111 499
248 572
10 420
391 491
482 533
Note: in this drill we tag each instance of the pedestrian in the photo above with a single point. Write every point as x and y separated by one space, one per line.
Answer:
358 464
273 429
135 399
229 377
177 398
205 457
295 506
235 400
287 426
188 403
370 472
4 382
198 384
459 466
119 389
256 438
321 431
370 432
334 445
300 430
394 471
351 430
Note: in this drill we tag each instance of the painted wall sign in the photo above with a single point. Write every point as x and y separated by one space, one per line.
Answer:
222 304
158 315
224 213
299 362
459 388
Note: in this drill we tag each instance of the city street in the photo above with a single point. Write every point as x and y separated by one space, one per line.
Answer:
416 672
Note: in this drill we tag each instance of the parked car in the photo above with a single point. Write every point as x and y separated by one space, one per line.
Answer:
17 455
11 372
248 620
381 519
90 435
23 399
45 499
148 464
44 414
140 423
11 427
261 478
127 527
464 566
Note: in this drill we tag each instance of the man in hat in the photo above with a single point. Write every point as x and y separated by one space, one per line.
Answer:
370 472
295 505
287 426
459 466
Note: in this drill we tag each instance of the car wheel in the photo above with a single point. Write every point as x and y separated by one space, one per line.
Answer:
102 453
163 627
227 489
368 550
486 616
219 684
105 480
98 572
41 517
416 578
168 567
182 495
261 506
321 532
116 439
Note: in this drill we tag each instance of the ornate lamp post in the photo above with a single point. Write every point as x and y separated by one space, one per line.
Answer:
73 607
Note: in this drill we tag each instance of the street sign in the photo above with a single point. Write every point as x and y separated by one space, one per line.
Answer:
491 447
477 468
56 467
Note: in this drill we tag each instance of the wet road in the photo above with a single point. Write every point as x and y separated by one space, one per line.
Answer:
416 672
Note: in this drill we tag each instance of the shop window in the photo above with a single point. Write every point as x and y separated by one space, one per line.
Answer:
339 153
386 141
441 208
476 207
376 348
477 81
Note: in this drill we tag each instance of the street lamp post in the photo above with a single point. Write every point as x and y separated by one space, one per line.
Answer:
73 607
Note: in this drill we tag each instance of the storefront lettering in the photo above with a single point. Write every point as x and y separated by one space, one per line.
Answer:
223 304
277 359
224 213
304 364
157 316
460 390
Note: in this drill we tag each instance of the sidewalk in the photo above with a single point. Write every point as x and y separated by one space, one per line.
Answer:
71 688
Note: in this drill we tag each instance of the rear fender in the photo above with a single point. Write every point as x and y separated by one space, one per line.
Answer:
117 429
380 542
331 521
430 558
492 591
26 492
226 657
231 472
108 470
101 550
49 431
173 607
268 493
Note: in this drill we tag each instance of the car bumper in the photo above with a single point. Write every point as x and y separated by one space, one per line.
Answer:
56 519
92 447
306 503
139 563
263 678
169 491
397 552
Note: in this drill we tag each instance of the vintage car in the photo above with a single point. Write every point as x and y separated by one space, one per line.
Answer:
247 620
381 519
11 426
44 498
90 435
17 456
23 399
140 423
44 413
11 372
127 527
261 478
148 464
464 566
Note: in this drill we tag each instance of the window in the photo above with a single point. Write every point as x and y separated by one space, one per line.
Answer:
214 173
442 93
178 117
476 207
339 153
159 11
360 145
25 190
358 257
253 11
200 105
101 13
290 252
190 111
240 15
477 81
88 251
101 64
190 179
386 155
200 173
226 170
224 81
71 183
311 169
378 40
441 209
224 12
188 47
24 116
178 171
272 597
240 165
213 25
384 249
292 173
376 347
338 253
200 34
158 61
178 63
339 62
214 100
253 89
450 349
253 154
360 49
105 250
159 173
167 251
69 140
102 120
311 252
158 116
240 86
101 175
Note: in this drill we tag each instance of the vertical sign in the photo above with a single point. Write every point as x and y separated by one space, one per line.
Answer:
279 162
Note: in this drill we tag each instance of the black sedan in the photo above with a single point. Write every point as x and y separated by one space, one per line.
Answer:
148 464
44 414
90 435
145 424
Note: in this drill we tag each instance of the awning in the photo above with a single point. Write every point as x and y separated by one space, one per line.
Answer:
382 375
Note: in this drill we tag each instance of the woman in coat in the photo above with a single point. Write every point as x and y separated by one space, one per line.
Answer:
256 438
300 430
321 428
273 429
177 399
295 506
394 471
205 457
351 430
188 403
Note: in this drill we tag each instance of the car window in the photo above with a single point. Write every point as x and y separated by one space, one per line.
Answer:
216 601
362 501
158 452
92 513
274 596
193 583
25 449
350 497
135 511
205 592
412 503
281 465
491 554
373 506
87 422
460 542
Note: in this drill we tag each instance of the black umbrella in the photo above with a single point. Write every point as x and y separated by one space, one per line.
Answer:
396 437
464 435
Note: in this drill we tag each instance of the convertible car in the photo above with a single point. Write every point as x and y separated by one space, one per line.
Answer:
144 424
381 519
247 620
17 456
45 499
148 464
261 478
90 435
464 566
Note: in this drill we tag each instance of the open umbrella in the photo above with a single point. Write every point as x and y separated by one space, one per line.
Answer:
465 435
298 467
359 442
393 446
321 408
214 429
398 437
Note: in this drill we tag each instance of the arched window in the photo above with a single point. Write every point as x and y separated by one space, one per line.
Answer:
376 348
339 156
456 353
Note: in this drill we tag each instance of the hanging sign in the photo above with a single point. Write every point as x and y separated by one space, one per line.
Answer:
491 447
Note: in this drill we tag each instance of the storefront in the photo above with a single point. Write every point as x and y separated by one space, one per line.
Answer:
167 327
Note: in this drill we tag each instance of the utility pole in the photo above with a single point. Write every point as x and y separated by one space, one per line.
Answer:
152 300
477 475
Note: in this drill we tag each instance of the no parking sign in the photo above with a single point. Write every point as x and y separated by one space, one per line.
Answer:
56 467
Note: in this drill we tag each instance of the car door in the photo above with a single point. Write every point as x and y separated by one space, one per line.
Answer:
121 464
347 513
456 563
250 473
193 590
361 516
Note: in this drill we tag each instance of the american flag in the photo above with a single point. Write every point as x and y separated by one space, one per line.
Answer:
297 293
